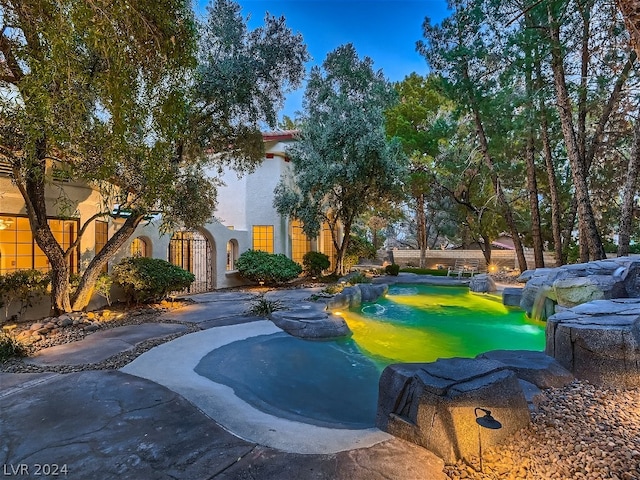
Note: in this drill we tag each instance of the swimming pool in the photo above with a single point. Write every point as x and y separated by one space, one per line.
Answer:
334 383
421 323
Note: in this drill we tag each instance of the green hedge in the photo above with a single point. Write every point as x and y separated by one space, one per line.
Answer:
272 269
150 279
315 262
392 269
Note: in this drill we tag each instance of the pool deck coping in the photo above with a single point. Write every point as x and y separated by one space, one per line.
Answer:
172 365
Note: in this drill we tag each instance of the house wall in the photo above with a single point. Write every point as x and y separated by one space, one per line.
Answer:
242 203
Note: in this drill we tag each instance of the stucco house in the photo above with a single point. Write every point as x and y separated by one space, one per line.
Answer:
244 219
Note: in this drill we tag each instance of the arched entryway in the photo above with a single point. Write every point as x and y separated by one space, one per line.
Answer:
192 251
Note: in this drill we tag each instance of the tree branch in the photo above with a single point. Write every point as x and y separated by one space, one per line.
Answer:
10 61
596 139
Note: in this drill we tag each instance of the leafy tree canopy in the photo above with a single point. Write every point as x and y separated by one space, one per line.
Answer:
122 96
342 161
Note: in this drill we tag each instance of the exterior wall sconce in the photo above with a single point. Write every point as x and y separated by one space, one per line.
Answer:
485 421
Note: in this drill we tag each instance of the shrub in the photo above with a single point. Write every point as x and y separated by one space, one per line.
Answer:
315 262
150 279
10 346
393 269
333 289
263 307
358 248
358 278
272 269
103 287
425 271
23 286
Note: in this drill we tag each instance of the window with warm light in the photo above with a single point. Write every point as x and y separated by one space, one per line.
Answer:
139 247
19 251
102 235
300 243
263 238
328 248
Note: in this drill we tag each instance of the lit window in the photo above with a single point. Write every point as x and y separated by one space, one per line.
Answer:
138 247
300 243
263 238
19 251
102 235
328 248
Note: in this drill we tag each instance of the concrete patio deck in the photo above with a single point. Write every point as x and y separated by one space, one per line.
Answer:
113 424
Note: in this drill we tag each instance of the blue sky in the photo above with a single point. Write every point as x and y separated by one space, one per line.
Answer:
384 30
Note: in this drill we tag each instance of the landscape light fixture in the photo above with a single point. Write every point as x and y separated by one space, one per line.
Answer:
485 421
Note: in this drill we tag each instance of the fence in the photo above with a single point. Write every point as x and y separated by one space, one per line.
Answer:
502 259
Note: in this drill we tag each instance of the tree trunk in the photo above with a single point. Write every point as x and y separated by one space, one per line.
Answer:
532 182
484 147
553 189
508 214
83 294
341 247
421 222
631 13
629 193
33 192
586 218
539 86
532 186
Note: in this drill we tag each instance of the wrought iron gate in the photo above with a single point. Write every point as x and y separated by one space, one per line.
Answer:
192 251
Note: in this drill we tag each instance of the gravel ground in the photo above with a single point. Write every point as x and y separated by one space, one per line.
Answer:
117 316
579 432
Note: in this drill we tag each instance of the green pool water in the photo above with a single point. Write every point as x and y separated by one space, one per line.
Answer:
421 323
334 383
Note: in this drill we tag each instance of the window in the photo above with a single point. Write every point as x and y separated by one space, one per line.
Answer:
263 238
300 243
139 247
232 254
19 251
102 235
328 248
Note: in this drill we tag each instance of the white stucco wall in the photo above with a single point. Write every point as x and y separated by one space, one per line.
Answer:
248 201
242 203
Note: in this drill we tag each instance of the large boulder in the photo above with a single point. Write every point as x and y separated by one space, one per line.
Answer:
482 283
539 286
511 296
549 290
570 292
353 296
435 404
370 292
533 367
598 341
310 323
349 297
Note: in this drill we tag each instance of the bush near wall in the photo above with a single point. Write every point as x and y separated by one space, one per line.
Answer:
23 286
272 269
315 263
150 279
